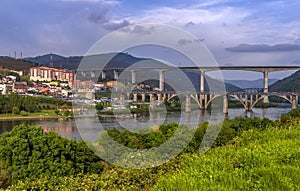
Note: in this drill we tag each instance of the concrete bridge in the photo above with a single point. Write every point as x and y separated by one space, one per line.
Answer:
203 98
247 99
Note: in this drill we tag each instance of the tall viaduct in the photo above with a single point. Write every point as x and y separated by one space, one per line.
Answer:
203 97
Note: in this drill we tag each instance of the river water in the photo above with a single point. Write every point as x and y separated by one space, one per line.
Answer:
89 128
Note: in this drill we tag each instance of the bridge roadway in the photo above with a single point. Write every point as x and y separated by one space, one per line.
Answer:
196 68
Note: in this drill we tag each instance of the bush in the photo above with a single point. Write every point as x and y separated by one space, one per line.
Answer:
29 152
24 113
4 176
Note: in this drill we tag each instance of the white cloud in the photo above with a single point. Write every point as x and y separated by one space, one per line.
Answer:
110 2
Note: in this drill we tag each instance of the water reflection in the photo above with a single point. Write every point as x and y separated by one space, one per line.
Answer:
90 127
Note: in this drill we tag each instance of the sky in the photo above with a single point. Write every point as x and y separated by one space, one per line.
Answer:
237 32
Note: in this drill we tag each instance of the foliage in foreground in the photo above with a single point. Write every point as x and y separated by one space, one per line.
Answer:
29 152
249 154
259 160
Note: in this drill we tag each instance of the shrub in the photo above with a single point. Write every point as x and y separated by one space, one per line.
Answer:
29 152
24 113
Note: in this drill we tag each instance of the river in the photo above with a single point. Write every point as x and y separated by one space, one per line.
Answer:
89 128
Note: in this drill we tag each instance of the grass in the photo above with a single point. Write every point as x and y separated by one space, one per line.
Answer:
42 113
257 160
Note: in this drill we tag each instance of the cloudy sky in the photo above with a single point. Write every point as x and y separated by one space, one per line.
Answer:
237 32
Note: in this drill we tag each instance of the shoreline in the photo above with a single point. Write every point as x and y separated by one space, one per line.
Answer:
41 117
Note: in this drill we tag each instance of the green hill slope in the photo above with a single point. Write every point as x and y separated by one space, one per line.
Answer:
15 64
289 84
258 160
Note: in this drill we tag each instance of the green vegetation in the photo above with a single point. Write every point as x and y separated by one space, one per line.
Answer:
248 154
258 160
29 152
288 84
5 72
14 105
43 113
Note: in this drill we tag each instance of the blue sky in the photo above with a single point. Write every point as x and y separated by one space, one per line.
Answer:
71 27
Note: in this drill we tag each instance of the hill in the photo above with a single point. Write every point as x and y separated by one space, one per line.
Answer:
16 64
259 83
288 84
113 60
121 60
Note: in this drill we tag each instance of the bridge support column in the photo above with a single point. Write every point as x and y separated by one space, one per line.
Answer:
294 102
202 76
93 74
161 81
201 95
225 104
135 97
151 98
205 101
246 103
122 99
266 84
164 97
133 76
188 103
103 75
116 75
159 97
143 97
251 100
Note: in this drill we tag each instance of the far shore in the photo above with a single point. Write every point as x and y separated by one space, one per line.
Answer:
41 117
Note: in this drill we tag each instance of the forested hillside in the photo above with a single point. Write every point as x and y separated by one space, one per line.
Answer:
289 84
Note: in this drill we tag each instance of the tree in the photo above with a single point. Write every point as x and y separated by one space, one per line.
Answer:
29 152
99 106
56 111
15 110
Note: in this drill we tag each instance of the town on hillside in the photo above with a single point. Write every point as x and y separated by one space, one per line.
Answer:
34 79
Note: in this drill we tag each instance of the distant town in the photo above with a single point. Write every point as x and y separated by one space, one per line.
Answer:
47 81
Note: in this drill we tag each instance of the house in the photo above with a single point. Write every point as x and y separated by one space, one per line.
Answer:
21 88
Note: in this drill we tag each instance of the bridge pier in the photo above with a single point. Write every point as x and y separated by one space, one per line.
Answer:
246 103
93 74
143 97
151 98
251 100
103 75
135 97
133 76
294 102
201 95
202 77
187 103
122 99
116 75
159 97
225 104
161 80
164 97
266 86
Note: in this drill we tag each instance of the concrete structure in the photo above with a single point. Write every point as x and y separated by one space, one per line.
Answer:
161 80
133 76
248 100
